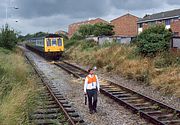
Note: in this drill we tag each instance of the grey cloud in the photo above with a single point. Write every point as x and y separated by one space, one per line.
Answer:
72 8
40 15
173 2
137 4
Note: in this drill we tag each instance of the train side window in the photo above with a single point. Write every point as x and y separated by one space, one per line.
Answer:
48 42
59 42
54 42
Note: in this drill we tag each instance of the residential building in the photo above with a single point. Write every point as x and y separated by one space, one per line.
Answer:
171 19
75 26
61 32
125 26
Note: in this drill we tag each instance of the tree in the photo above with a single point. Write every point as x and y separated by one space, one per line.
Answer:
86 30
8 37
103 29
153 40
98 29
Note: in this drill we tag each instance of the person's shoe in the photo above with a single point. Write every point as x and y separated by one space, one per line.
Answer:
91 112
95 110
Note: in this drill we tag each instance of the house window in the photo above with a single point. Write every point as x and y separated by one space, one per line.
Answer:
175 33
151 23
140 25
167 22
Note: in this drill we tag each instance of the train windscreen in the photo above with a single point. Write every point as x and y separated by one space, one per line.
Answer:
54 42
48 42
59 42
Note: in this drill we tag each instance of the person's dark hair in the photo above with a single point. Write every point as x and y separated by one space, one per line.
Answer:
90 69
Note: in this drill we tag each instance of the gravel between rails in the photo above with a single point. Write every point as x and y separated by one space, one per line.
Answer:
142 88
109 112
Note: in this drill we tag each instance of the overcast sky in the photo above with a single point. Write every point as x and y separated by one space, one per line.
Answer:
52 15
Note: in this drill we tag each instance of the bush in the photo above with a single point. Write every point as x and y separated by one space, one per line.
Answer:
69 43
166 59
77 36
153 40
85 45
8 38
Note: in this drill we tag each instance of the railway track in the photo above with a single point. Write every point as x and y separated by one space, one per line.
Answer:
148 108
54 109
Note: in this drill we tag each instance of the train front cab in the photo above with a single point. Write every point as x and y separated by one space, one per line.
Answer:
54 47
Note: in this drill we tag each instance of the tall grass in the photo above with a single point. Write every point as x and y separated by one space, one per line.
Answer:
17 89
123 60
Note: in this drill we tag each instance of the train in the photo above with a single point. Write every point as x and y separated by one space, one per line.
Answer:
50 46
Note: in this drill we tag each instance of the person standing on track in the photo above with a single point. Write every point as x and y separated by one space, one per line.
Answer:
91 89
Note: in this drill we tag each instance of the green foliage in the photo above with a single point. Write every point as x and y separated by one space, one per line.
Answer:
69 43
86 30
103 29
98 29
86 45
153 40
77 36
8 37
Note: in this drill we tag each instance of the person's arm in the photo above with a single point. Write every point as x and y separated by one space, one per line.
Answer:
97 82
85 85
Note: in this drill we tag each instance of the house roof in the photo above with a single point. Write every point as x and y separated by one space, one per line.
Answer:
161 15
128 14
86 21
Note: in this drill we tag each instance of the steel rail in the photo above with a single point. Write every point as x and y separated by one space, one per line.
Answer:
69 119
152 110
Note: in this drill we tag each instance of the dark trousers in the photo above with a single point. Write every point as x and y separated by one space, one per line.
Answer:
92 99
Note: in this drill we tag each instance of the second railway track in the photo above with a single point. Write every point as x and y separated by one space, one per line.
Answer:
55 108
148 108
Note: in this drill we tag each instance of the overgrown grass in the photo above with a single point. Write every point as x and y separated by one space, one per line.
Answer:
17 88
163 71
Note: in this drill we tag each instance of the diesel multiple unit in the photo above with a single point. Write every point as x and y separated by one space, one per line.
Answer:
50 46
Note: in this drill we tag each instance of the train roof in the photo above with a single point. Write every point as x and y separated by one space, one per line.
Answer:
52 35
46 36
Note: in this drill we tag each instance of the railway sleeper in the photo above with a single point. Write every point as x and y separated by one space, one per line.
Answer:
45 116
123 95
135 101
142 104
146 107
69 110
66 105
63 101
47 111
111 91
167 117
74 114
119 92
172 122
48 106
129 98
48 122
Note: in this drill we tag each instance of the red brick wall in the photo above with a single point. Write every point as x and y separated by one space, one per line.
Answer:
125 25
175 26
75 26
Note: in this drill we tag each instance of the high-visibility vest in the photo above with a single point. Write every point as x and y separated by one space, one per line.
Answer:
92 80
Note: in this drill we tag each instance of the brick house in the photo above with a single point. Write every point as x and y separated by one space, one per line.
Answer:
125 25
72 28
171 19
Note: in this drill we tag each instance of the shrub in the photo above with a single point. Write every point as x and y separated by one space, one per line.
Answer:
153 40
166 59
77 36
85 45
8 38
